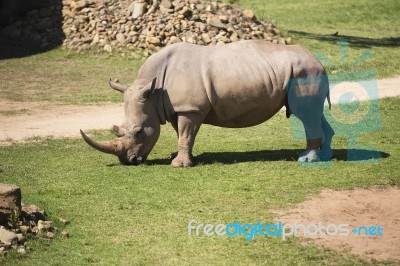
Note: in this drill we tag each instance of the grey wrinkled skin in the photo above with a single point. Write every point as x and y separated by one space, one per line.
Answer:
241 84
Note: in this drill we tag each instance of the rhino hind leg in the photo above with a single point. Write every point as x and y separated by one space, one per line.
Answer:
188 126
326 151
314 134
319 138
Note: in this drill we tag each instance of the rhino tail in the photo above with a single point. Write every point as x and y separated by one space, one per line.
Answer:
329 99
287 107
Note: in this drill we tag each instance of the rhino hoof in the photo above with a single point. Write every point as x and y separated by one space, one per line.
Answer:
309 156
182 161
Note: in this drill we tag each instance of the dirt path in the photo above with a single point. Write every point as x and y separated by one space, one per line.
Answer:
48 119
43 119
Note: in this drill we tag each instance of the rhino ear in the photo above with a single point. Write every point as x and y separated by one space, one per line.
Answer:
146 90
117 86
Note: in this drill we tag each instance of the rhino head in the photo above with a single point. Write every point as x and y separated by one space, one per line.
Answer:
141 129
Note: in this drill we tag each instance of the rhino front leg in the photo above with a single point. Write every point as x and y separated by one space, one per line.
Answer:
188 126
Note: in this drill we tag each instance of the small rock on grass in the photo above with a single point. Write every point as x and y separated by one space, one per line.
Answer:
50 235
7 237
45 225
21 250
64 221
65 234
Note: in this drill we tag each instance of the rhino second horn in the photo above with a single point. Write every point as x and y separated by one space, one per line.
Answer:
119 131
118 87
111 147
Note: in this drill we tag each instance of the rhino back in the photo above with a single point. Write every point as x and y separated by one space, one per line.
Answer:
235 85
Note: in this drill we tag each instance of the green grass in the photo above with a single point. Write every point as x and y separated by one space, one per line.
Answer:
366 24
139 215
13 112
65 77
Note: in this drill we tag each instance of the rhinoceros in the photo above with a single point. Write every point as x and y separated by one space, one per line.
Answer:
235 85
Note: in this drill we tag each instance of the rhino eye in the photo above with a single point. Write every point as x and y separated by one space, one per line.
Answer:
138 132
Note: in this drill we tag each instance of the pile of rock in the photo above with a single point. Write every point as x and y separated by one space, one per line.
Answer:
115 25
141 25
17 221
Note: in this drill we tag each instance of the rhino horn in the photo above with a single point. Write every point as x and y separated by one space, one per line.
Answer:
110 147
117 86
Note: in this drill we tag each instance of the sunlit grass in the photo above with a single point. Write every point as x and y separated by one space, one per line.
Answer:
364 24
65 77
139 215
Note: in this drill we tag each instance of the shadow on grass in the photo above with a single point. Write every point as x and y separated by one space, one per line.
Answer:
283 155
351 155
355 41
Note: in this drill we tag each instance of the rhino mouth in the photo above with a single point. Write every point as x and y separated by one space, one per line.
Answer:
132 160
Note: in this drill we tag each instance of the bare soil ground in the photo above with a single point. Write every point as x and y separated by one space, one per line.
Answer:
356 208
48 119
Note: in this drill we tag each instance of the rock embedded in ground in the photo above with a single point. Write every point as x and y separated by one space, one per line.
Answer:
10 200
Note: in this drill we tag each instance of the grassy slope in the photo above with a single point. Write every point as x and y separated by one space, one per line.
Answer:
122 215
366 24
65 77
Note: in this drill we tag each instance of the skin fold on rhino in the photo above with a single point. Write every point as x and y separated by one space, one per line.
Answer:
236 85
